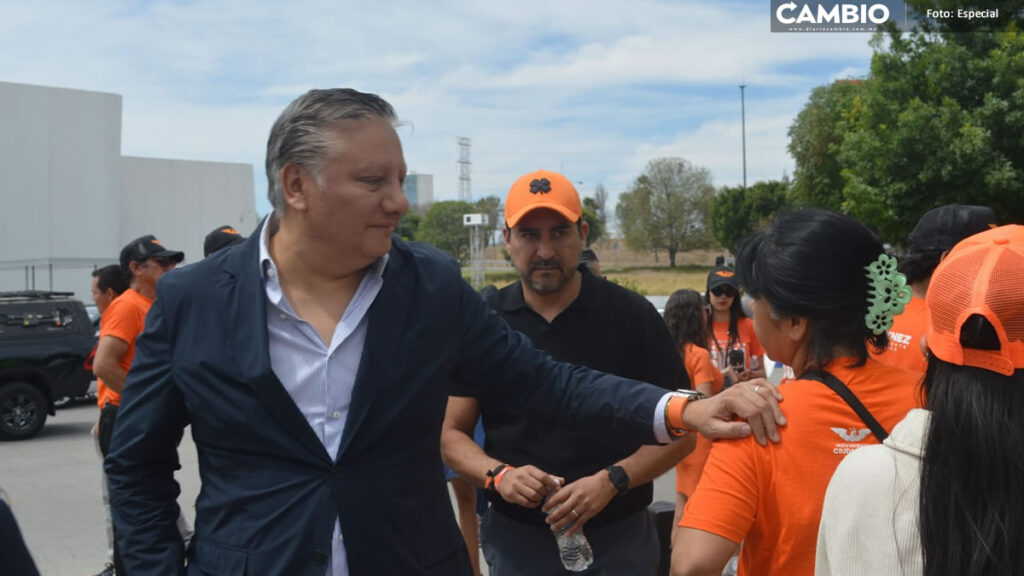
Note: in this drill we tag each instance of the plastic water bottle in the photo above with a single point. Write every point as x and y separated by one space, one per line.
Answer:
575 550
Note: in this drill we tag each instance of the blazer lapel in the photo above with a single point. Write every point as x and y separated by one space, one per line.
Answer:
386 322
244 301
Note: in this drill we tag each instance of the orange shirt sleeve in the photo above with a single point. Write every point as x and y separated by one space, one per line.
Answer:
120 321
726 500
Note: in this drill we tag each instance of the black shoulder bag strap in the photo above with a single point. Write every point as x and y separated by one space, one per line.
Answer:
837 386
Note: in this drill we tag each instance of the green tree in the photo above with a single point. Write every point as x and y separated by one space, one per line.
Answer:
814 140
667 207
491 206
598 203
942 121
594 222
443 227
737 212
408 225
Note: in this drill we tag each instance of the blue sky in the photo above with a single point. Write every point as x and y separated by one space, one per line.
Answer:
593 88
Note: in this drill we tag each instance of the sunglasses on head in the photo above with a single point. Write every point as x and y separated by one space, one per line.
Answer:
723 291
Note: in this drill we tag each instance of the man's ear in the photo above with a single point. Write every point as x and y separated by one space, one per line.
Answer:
584 232
507 233
296 184
134 267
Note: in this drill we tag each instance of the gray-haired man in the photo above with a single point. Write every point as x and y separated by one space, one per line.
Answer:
313 364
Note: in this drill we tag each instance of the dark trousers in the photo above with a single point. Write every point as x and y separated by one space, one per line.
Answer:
626 547
106 428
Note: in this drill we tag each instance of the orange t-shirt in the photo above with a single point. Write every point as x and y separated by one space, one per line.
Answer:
905 338
770 497
124 319
718 343
698 367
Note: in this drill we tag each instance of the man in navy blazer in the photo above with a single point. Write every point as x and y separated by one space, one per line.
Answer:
312 363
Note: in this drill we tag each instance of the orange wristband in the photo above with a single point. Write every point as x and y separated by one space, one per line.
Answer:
491 482
500 475
674 415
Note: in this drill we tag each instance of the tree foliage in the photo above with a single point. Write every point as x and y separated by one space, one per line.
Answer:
940 119
594 222
940 123
738 212
667 207
491 206
814 140
443 227
598 203
408 225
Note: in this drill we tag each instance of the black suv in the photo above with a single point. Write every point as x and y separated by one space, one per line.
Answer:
45 339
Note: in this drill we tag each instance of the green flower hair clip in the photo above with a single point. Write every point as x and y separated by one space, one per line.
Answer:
888 293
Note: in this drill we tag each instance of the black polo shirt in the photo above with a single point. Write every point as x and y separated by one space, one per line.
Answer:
607 328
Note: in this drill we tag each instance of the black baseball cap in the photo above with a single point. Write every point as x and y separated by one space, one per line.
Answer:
145 247
943 227
722 275
221 237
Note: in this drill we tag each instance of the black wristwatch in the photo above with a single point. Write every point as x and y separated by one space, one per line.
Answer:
619 478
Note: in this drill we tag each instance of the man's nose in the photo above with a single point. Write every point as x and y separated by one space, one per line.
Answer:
395 201
545 248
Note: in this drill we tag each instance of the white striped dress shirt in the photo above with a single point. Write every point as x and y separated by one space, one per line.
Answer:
319 377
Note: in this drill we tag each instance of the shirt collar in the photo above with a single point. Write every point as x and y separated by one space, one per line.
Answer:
268 269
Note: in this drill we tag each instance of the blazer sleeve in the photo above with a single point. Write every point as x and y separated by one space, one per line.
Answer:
144 454
498 364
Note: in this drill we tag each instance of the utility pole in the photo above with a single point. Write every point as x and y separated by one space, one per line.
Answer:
465 191
743 120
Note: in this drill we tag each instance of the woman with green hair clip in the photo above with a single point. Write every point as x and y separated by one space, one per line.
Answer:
824 292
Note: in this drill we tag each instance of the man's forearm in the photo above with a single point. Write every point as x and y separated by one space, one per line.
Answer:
112 375
465 457
649 462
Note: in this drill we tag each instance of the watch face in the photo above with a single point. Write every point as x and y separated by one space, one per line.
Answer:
619 478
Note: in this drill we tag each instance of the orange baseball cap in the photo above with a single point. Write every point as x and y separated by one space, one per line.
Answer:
983 275
542 189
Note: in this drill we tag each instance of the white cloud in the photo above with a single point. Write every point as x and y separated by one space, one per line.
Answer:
596 88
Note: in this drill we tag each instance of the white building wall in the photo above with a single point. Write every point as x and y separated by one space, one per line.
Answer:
69 201
60 155
181 201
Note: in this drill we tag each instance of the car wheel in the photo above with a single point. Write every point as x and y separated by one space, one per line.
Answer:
22 411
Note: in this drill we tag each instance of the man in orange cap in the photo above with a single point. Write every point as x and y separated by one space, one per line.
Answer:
576 317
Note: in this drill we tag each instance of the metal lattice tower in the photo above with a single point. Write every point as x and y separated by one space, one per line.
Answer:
465 191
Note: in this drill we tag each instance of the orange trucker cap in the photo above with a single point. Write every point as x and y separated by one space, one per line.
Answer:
984 275
542 189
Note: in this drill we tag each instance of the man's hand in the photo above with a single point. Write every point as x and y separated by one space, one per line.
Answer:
755 401
526 486
579 502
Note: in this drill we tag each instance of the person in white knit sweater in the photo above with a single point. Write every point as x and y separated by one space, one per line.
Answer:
942 495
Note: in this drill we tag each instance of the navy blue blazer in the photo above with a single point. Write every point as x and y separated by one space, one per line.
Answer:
270 491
